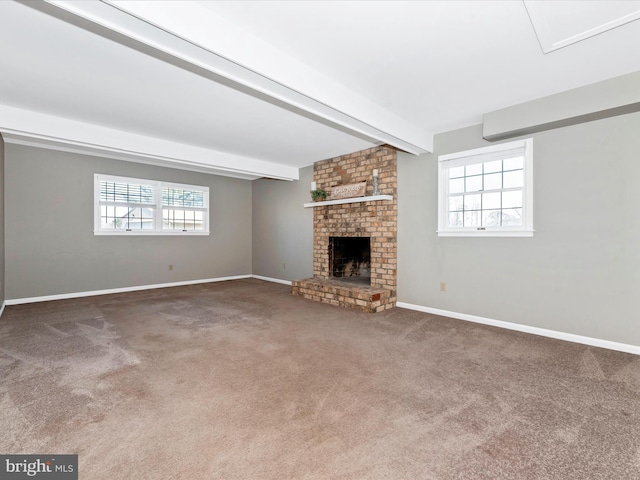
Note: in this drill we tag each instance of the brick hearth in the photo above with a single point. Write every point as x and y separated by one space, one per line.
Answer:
374 219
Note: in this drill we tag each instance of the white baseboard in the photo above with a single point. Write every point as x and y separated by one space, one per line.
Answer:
569 337
63 296
274 280
2 308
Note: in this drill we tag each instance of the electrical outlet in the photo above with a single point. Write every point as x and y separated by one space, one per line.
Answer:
284 266
170 267
443 286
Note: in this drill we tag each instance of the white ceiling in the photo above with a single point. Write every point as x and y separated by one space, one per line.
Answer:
254 89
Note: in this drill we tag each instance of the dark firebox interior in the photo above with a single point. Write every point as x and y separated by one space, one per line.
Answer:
350 258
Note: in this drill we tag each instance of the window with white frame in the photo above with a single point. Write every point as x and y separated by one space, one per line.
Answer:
133 206
487 191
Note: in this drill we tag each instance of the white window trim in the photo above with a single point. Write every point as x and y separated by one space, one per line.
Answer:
525 230
158 186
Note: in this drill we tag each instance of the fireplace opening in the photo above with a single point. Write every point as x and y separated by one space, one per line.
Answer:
350 259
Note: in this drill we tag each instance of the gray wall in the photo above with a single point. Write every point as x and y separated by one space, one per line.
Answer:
579 274
2 253
51 248
282 228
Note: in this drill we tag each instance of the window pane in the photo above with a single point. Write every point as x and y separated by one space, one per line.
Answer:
456 186
123 218
512 199
491 167
196 222
107 217
178 219
514 163
120 212
456 172
512 217
177 197
471 219
455 203
491 218
138 218
120 218
170 219
455 219
491 200
493 181
475 169
513 179
472 202
474 184
183 219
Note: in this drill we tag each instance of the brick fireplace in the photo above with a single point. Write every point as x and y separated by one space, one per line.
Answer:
363 281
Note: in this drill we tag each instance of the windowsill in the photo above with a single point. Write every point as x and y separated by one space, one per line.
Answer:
138 233
487 233
371 198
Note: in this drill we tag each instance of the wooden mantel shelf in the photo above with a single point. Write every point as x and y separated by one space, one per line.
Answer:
371 198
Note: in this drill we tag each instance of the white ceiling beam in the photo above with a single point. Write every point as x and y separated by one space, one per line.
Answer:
38 129
195 34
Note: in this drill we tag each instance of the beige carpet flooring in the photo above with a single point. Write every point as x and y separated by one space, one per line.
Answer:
241 380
